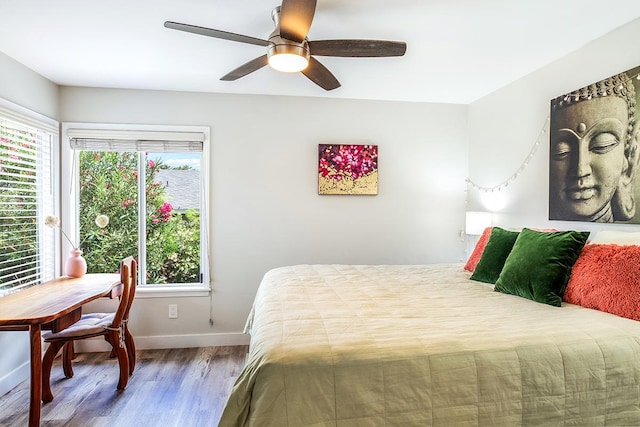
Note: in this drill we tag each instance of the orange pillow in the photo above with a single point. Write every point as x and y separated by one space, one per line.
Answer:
606 278
477 251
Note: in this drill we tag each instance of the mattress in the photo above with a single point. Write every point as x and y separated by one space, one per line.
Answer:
349 345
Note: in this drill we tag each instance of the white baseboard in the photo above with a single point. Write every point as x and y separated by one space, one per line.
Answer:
13 378
168 341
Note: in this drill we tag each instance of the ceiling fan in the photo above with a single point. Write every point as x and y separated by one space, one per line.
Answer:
288 48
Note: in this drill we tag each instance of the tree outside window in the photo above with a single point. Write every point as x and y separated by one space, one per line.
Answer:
109 185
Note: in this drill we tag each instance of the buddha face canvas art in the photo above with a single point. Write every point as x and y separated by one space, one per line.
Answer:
593 153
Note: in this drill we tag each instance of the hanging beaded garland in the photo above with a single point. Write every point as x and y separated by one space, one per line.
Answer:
616 85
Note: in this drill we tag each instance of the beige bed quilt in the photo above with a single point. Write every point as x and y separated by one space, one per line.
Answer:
344 345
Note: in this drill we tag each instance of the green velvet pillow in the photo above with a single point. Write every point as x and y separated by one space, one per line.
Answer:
494 255
539 265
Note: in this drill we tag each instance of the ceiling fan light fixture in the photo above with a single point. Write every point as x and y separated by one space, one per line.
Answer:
289 49
288 62
289 58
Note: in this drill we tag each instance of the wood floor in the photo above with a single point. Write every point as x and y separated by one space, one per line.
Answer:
177 387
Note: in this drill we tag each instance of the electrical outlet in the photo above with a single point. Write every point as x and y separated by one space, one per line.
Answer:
173 311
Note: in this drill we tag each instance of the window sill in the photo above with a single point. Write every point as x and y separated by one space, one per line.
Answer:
153 291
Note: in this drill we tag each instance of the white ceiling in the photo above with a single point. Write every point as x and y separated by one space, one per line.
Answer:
457 50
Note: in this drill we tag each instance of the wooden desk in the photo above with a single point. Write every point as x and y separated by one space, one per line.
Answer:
55 305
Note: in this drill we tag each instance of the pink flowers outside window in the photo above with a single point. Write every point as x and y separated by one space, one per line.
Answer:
165 212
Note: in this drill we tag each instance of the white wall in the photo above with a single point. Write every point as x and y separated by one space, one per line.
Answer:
265 208
504 126
21 86
27 88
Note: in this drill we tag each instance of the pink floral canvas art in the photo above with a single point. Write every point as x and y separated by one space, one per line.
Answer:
347 169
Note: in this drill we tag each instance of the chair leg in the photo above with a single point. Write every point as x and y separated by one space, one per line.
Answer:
47 363
113 337
68 354
131 350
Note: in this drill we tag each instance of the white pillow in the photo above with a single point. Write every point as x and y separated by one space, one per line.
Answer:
623 238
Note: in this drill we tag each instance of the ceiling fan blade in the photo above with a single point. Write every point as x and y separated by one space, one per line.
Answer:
320 75
215 33
295 18
248 68
357 48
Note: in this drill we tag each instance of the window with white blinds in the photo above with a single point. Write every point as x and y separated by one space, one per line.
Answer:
149 180
27 195
135 140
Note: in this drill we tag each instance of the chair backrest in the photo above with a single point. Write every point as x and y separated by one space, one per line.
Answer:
133 275
128 269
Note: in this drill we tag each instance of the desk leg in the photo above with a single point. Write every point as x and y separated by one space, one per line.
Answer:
35 335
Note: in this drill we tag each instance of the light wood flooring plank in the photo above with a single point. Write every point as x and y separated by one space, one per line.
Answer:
175 387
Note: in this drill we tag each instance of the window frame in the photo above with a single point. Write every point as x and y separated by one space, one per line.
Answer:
70 200
48 204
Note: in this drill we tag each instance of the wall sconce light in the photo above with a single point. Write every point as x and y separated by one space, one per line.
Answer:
476 222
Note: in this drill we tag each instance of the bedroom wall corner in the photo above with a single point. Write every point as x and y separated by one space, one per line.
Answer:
25 87
504 125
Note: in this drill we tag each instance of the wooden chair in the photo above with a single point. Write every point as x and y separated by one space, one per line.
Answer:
112 326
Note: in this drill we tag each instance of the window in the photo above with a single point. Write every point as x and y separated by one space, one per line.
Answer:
28 151
152 184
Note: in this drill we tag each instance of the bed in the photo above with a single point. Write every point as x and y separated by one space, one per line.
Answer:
423 345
